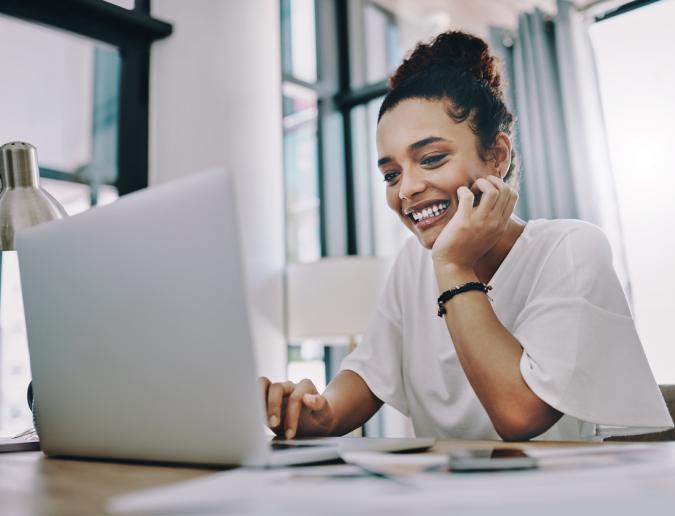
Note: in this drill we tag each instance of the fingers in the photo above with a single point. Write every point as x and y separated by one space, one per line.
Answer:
497 196
322 413
264 383
275 396
504 194
465 197
511 204
507 199
314 402
294 406
490 195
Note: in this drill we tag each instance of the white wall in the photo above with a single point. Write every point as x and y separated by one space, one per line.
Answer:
216 101
420 20
636 84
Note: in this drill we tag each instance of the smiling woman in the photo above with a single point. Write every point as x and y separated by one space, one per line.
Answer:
547 354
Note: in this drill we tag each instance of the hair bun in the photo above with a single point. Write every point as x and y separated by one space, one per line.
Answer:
453 48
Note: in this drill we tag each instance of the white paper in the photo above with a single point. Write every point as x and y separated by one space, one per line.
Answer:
623 488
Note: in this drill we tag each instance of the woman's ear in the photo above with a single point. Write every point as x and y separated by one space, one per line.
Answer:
500 155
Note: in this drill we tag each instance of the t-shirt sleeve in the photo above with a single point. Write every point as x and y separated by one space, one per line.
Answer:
378 357
581 351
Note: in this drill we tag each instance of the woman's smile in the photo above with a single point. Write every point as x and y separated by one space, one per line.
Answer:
425 214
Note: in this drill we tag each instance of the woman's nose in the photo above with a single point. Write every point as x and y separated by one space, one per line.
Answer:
412 183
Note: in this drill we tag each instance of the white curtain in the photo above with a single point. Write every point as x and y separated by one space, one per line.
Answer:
566 171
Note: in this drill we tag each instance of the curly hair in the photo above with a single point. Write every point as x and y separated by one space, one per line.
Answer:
457 67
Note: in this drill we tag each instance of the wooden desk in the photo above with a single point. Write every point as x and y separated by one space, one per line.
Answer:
32 484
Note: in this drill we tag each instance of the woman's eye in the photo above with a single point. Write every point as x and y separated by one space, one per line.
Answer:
390 176
432 160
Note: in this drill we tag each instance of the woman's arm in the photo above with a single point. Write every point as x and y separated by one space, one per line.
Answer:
490 357
489 354
299 410
352 402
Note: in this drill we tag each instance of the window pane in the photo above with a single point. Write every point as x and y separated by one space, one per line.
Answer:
382 46
379 230
637 85
62 96
307 361
127 4
298 34
375 46
301 169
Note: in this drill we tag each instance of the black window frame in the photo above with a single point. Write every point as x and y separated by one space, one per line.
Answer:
346 100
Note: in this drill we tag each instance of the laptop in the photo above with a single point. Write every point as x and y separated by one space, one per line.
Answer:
139 337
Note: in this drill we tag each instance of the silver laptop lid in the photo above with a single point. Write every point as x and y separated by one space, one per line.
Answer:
138 331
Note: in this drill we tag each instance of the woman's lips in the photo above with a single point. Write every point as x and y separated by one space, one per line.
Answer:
426 223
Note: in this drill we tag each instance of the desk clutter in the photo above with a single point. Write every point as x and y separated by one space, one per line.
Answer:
611 479
25 441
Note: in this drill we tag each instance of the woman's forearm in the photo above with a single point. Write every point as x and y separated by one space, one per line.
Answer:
490 356
351 400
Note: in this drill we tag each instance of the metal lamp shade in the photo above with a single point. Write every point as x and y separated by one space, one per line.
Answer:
23 203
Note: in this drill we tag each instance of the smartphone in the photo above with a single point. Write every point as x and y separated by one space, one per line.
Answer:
491 459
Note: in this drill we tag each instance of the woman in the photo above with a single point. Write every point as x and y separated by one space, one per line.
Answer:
548 349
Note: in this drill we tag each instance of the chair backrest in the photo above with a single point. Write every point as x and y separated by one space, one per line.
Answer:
668 392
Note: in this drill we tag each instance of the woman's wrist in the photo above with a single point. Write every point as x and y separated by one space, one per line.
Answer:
450 275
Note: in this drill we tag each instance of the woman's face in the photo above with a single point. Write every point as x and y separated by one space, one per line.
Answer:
425 156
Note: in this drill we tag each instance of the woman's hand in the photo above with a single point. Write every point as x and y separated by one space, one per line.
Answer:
473 231
296 409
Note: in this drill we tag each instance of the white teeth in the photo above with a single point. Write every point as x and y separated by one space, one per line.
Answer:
431 211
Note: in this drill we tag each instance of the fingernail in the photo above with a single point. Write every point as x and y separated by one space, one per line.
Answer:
290 433
274 421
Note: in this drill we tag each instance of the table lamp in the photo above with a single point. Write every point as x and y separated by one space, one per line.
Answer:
23 203
333 297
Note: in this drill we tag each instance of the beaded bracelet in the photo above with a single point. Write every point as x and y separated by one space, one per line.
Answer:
465 287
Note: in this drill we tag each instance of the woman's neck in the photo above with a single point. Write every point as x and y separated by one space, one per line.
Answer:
487 266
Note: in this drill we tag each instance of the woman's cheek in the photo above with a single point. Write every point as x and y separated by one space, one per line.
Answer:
393 200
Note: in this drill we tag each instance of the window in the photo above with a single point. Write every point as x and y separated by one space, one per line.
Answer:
637 82
65 101
334 81
301 166
379 52
301 161
380 232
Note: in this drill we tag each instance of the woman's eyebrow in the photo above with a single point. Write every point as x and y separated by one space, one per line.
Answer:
384 161
415 146
426 141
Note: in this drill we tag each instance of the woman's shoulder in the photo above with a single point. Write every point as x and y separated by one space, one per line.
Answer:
573 256
577 236
561 228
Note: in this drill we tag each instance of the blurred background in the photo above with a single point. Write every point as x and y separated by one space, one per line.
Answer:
284 94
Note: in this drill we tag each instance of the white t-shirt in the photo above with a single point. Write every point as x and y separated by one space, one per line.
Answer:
557 293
